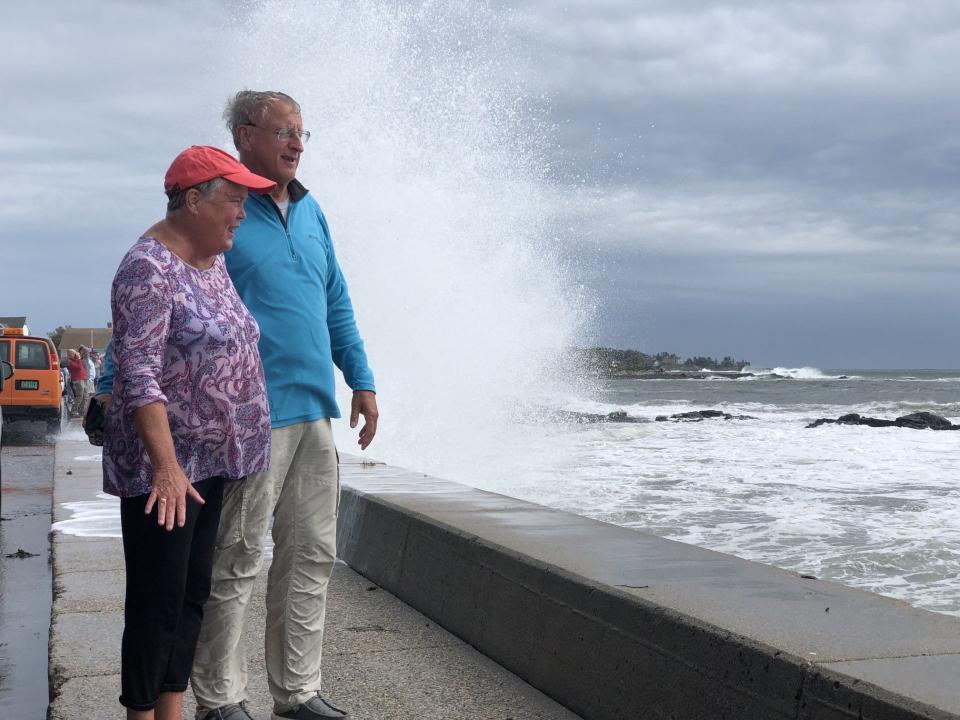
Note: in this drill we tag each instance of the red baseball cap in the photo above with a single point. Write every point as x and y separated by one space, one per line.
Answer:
200 163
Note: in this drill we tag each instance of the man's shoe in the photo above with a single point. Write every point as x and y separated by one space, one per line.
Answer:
234 711
316 708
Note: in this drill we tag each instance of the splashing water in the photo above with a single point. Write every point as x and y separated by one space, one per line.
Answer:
429 160
803 373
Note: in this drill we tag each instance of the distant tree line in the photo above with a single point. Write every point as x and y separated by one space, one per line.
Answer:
616 360
57 334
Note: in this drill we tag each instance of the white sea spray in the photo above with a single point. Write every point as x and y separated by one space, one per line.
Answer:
430 159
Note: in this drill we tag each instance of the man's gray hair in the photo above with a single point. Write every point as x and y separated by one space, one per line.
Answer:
248 107
177 197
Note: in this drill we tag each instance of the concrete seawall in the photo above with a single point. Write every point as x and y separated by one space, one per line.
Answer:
617 624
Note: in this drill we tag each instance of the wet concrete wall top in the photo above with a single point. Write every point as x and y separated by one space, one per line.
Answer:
618 624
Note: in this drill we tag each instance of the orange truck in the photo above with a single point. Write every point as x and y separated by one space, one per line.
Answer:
35 392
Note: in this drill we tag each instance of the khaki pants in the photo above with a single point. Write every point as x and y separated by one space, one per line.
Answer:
301 490
79 397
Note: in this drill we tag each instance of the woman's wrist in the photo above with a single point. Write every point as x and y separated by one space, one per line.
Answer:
165 467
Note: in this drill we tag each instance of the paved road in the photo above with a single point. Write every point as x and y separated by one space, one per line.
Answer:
26 485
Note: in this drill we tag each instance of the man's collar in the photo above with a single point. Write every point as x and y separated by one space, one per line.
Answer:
296 190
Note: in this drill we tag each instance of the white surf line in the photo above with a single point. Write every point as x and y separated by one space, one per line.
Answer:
92 518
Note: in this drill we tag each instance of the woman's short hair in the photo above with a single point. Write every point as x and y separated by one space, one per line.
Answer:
177 198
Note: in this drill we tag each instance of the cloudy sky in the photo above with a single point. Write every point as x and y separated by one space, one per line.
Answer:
776 181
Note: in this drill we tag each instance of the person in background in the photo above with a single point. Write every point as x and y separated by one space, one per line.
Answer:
285 269
78 381
103 393
66 386
105 378
91 368
189 412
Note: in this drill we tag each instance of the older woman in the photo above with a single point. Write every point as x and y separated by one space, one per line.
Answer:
189 412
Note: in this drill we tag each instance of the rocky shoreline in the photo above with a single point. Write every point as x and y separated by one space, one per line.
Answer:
701 415
699 375
682 375
913 421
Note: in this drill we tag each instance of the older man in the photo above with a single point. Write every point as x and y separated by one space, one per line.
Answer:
78 381
284 267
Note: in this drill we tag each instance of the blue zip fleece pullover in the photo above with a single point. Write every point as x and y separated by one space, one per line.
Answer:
105 380
288 276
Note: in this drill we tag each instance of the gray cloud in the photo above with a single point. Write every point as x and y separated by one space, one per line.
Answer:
816 93
103 97
732 178
799 154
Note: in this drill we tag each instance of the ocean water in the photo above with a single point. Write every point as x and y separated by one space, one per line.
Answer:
874 508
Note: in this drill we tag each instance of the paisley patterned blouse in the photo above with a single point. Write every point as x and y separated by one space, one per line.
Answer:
183 337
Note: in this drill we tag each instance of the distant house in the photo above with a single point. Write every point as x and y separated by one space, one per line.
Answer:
96 338
16 321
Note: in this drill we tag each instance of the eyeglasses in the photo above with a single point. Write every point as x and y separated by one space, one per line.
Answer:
284 134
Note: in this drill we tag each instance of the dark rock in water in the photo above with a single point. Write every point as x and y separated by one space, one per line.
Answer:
916 421
694 416
855 419
924 420
619 416
622 417
701 415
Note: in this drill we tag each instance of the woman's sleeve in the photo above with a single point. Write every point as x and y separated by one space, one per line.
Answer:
142 304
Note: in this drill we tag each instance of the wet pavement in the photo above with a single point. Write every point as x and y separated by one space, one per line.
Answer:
26 486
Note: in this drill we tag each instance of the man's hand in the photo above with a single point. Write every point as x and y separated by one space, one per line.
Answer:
364 403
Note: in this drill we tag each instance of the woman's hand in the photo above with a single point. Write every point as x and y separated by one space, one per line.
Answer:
170 486
170 492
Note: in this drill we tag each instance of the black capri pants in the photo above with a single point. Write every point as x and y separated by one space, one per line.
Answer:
168 581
